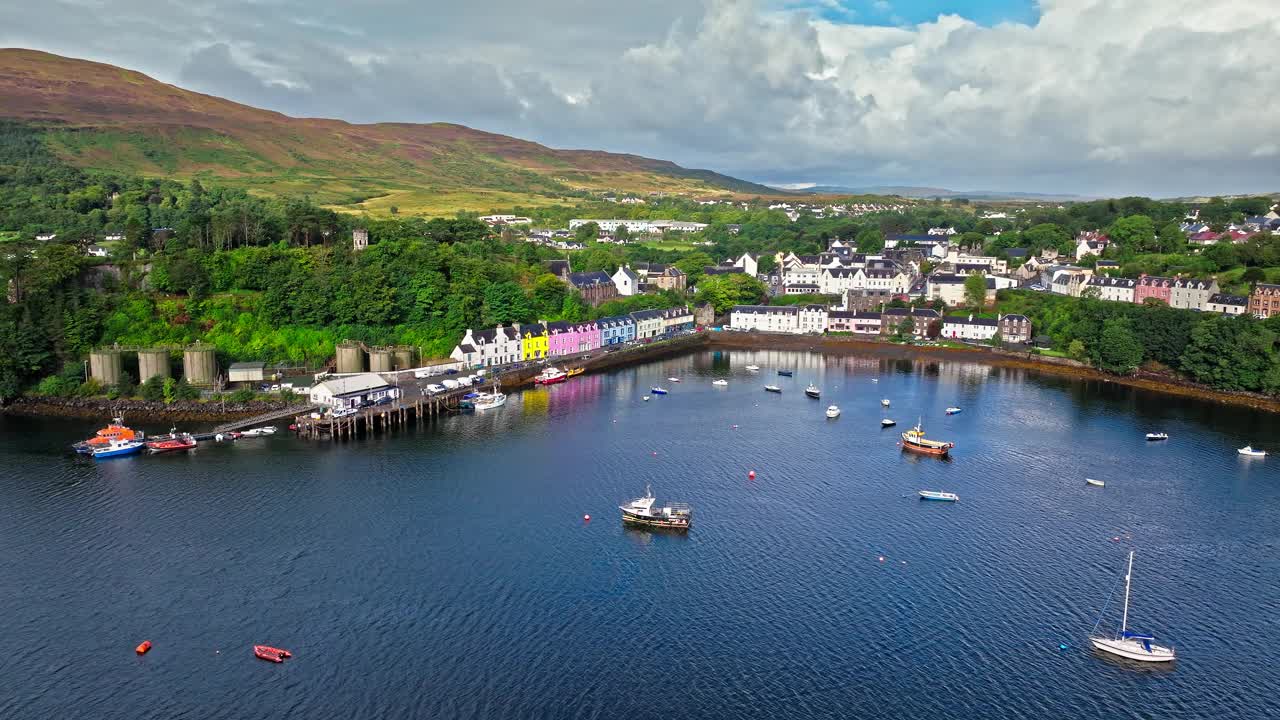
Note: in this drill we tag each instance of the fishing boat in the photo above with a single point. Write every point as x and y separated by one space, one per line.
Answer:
833 411
488 401
888 423
885 402
915 441
813 391
115 430
1127 644
676 516
117 448
1248 451
574 372
953 410
938 495
1157 436
786 373
271 654
753 368
657 390
550 376
720 383
1095 483
772 388
173 444
673 379
259 431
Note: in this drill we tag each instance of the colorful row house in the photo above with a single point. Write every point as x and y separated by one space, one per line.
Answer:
538 341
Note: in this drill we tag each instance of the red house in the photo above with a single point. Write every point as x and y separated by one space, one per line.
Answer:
1150 286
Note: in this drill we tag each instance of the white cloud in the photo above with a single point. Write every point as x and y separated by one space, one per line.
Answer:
1099 96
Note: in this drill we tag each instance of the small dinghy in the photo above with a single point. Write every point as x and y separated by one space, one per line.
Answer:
260 431
1095 483
833 412
938 495
720 383
673 379
658 390
753 368
885 402
1157 436
953 410
785 373
772 389
888 423
1248 451
645 398
271 654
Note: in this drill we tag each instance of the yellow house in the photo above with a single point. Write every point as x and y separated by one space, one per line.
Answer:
533 341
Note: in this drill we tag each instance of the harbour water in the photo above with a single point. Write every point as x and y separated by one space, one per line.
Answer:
447 571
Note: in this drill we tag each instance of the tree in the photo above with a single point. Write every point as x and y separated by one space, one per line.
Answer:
905 329
725 291
506 303
1118 350
1253 275
1236 353
622 233
975 290
587 232
1077 350
996 340
869 240
153 389
548 295
1134 233
243 395
168 391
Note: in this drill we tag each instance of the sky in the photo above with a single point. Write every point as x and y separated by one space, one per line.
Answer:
1094 97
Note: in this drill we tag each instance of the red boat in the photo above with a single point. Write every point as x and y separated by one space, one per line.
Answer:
181 442
271 654
551 376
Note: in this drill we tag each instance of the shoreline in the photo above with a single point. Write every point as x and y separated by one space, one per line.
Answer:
1000 358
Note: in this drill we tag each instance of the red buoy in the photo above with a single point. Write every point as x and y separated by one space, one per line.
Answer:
143 647
586 518
752 474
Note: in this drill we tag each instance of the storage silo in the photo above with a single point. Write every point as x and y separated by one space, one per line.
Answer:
404 356
105 365
350 358
153 362
199 364
380 360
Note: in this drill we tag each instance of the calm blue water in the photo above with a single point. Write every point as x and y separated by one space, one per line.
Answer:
447 571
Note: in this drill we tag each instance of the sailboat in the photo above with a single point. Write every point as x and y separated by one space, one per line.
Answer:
1128 644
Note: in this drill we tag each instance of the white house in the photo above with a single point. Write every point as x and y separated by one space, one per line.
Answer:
486 348
969 328
749 264
1190 294
946 287
1227 304
96 251
626 280
649 323
1111 288
765 318
812 319
353 391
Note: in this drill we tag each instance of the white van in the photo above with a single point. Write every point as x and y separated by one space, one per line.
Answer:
464 380
420 374
434 388
450 384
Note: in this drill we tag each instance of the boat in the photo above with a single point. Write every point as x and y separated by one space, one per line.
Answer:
645 398
772 388
888 423
915 441
488 401
938 495
673 379
117 448
658 390
574 372
259 431
720 383
676 516
271 654
953 410
1127 644
550 376
813 391
143 647
885 402
833 411
1248 450
1095 483
753 368
173 444
1157 436
115 430
786 373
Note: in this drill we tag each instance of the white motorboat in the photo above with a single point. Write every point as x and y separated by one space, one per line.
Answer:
1127 644
645 398
833 411
1095 483
885 402
488 401
1248 451
938 495
813 391
753 368
772 389
259 431
657 390
1157 436
673 379
953 410
888 423
720 383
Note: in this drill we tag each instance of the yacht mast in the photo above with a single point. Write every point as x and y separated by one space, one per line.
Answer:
1124 623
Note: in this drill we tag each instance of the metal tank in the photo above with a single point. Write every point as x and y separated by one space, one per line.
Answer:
380 360
105 366
153 363
199 364
404 356
350 358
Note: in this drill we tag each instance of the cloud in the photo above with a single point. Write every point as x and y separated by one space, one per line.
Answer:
1098 96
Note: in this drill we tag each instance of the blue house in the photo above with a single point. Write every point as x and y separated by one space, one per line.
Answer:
618 329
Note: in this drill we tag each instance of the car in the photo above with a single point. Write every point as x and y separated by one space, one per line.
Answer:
384 400
421 374
434 388
450 371
343 412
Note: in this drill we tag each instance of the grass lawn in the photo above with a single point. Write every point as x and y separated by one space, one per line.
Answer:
1050 353
667 244
446 203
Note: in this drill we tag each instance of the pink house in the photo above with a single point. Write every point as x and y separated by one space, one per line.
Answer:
562 338
588 336
1149 286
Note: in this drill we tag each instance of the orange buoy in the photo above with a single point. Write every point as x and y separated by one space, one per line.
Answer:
143 648
752 474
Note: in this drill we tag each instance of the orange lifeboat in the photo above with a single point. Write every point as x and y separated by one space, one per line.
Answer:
115 430
271 654
143 647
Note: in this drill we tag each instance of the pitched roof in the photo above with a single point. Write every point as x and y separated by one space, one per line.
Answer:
354 384
1224 299
588 279
965 320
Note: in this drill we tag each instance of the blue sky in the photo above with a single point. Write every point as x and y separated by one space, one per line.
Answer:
899 12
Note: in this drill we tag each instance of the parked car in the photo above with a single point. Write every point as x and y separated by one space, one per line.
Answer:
420 374
450 371
450 384
384 400
434 388
343 412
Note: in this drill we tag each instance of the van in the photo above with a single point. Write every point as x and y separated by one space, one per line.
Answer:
464 380
434 388
420 374
450 384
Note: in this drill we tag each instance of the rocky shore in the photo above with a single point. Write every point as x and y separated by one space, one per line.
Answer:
98 408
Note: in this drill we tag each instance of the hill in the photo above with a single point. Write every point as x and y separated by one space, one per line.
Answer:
99 116
909 191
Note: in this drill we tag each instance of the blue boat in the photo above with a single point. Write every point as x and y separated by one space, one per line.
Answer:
658 391
785 373
118 448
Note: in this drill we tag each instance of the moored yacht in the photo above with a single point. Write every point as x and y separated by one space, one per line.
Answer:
915 441
813 391
833 411
1127 644
676 516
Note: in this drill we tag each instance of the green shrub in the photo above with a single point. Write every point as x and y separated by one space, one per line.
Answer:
244 394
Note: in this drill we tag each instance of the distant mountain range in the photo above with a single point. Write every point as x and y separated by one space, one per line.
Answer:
910 191
103 117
